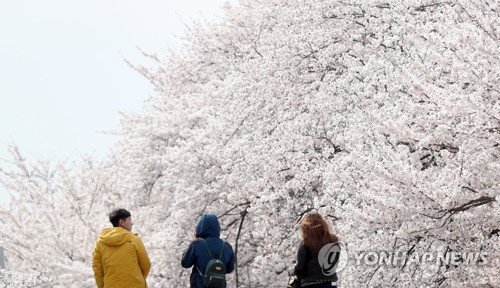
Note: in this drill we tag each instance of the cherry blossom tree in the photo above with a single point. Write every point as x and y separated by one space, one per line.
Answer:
382 115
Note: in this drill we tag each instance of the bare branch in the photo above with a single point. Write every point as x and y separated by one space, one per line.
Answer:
483 200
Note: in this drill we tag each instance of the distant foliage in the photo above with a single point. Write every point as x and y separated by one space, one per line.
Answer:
382 115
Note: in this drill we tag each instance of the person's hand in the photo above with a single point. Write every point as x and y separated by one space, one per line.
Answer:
293 282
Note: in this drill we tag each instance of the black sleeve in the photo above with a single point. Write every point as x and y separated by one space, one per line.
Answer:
188 256
232 260
301 261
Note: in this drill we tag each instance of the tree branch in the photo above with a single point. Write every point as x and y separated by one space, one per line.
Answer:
243 215
483 200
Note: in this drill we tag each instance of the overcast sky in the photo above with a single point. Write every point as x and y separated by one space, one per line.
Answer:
63 80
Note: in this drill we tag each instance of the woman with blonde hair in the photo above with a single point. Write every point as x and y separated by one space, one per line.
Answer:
316 234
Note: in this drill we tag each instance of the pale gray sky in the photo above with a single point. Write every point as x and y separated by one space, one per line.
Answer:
62 76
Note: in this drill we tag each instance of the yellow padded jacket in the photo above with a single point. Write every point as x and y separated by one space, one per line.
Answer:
120 260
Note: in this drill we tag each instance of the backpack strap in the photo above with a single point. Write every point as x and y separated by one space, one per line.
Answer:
208 249
209 255
221 250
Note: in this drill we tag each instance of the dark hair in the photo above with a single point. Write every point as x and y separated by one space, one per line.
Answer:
118 214
316 232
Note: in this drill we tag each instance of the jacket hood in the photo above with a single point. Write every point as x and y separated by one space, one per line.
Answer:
208 226
115 236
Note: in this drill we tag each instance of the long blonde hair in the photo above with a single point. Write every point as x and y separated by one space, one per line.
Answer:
316 232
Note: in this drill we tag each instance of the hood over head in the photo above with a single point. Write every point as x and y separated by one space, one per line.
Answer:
115 236
208 226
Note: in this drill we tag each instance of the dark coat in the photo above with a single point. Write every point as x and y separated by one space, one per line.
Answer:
208 230
309 269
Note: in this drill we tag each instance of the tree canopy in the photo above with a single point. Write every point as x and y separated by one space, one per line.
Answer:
384 116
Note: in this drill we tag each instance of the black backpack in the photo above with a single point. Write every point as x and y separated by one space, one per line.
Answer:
215 273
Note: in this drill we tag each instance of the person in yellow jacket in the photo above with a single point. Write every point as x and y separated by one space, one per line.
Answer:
120 259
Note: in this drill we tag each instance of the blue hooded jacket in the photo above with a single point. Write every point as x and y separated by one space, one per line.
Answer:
208 229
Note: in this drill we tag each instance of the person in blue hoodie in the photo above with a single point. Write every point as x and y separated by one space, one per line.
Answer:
197 256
